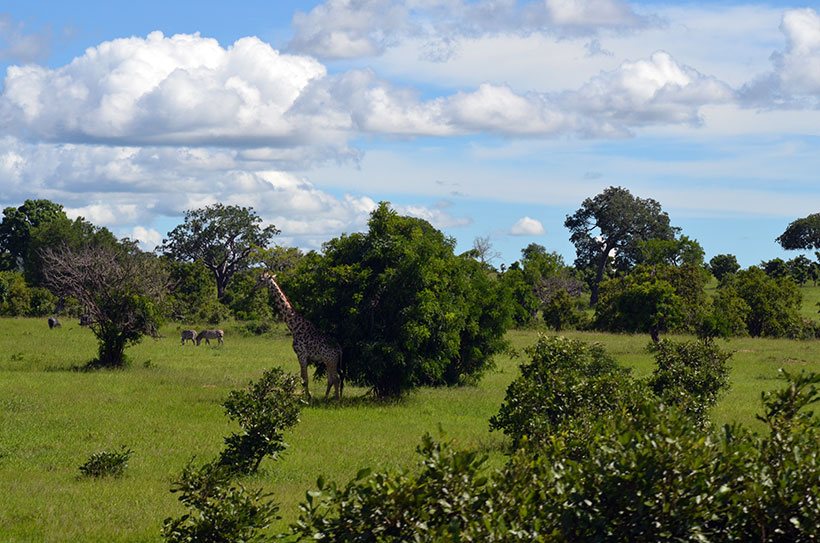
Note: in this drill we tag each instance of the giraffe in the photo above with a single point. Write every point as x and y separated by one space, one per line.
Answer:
309 343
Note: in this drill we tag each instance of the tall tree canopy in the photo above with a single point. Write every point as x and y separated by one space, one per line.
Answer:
406 310
224 238
610 228
802 234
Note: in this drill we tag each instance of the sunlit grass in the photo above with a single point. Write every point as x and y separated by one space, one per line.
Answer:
166 407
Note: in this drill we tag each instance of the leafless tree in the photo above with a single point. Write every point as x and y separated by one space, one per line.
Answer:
483 250
121 287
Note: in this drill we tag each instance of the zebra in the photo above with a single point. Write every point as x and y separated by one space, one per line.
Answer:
188 334
208 335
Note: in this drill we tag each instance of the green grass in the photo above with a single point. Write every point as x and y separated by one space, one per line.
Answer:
166 408
811 298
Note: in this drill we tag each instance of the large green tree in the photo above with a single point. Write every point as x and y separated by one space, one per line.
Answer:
406 310
224 238
17 226
609 229
120 287
41 224
802 234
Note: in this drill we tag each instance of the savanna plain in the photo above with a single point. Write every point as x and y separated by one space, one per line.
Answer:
166 407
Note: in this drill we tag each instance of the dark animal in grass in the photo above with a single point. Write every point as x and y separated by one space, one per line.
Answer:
53 322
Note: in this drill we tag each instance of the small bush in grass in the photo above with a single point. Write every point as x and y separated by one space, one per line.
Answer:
689 375
566 386
264 410
107 463
221 511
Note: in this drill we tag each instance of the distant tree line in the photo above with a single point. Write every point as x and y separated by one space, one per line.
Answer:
402 304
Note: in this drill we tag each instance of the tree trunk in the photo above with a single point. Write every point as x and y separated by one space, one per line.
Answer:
111 353
599 275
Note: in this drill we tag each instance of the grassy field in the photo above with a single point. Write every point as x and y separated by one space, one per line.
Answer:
166 407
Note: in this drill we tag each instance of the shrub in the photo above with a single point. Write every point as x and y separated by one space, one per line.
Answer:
662 479
107 463
565 387
437 504
220 510
689 375
263 410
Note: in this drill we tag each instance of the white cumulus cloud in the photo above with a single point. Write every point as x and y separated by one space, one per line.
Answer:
178 90
794 81
527 226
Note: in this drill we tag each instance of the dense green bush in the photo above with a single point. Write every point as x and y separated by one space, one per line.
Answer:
263 410
774 304
18 299
566 387
660 479
221 511
689 375
107 463
405 309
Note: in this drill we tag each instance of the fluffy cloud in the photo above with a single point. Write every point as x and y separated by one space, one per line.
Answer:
179 90
148 238
795 79
527 226
654 90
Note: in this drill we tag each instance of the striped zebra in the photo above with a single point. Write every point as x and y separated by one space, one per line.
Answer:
188 335
208 335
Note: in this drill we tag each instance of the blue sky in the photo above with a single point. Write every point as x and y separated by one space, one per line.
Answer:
486 118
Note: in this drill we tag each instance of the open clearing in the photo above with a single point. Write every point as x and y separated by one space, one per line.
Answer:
166 407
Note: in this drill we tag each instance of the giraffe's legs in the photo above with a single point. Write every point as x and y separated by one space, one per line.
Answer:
303 366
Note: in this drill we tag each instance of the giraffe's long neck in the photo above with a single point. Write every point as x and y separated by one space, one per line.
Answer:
289 315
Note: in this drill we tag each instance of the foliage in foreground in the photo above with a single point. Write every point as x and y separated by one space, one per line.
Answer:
662 479
107 463
264 410
221 510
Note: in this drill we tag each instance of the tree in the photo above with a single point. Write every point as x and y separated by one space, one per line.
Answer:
774 304
16 227
639 302
723 265
121 289
405 309
800 269
483 251
801 234
775 268
611 226
224 238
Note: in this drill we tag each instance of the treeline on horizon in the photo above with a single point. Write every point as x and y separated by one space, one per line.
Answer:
634 271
